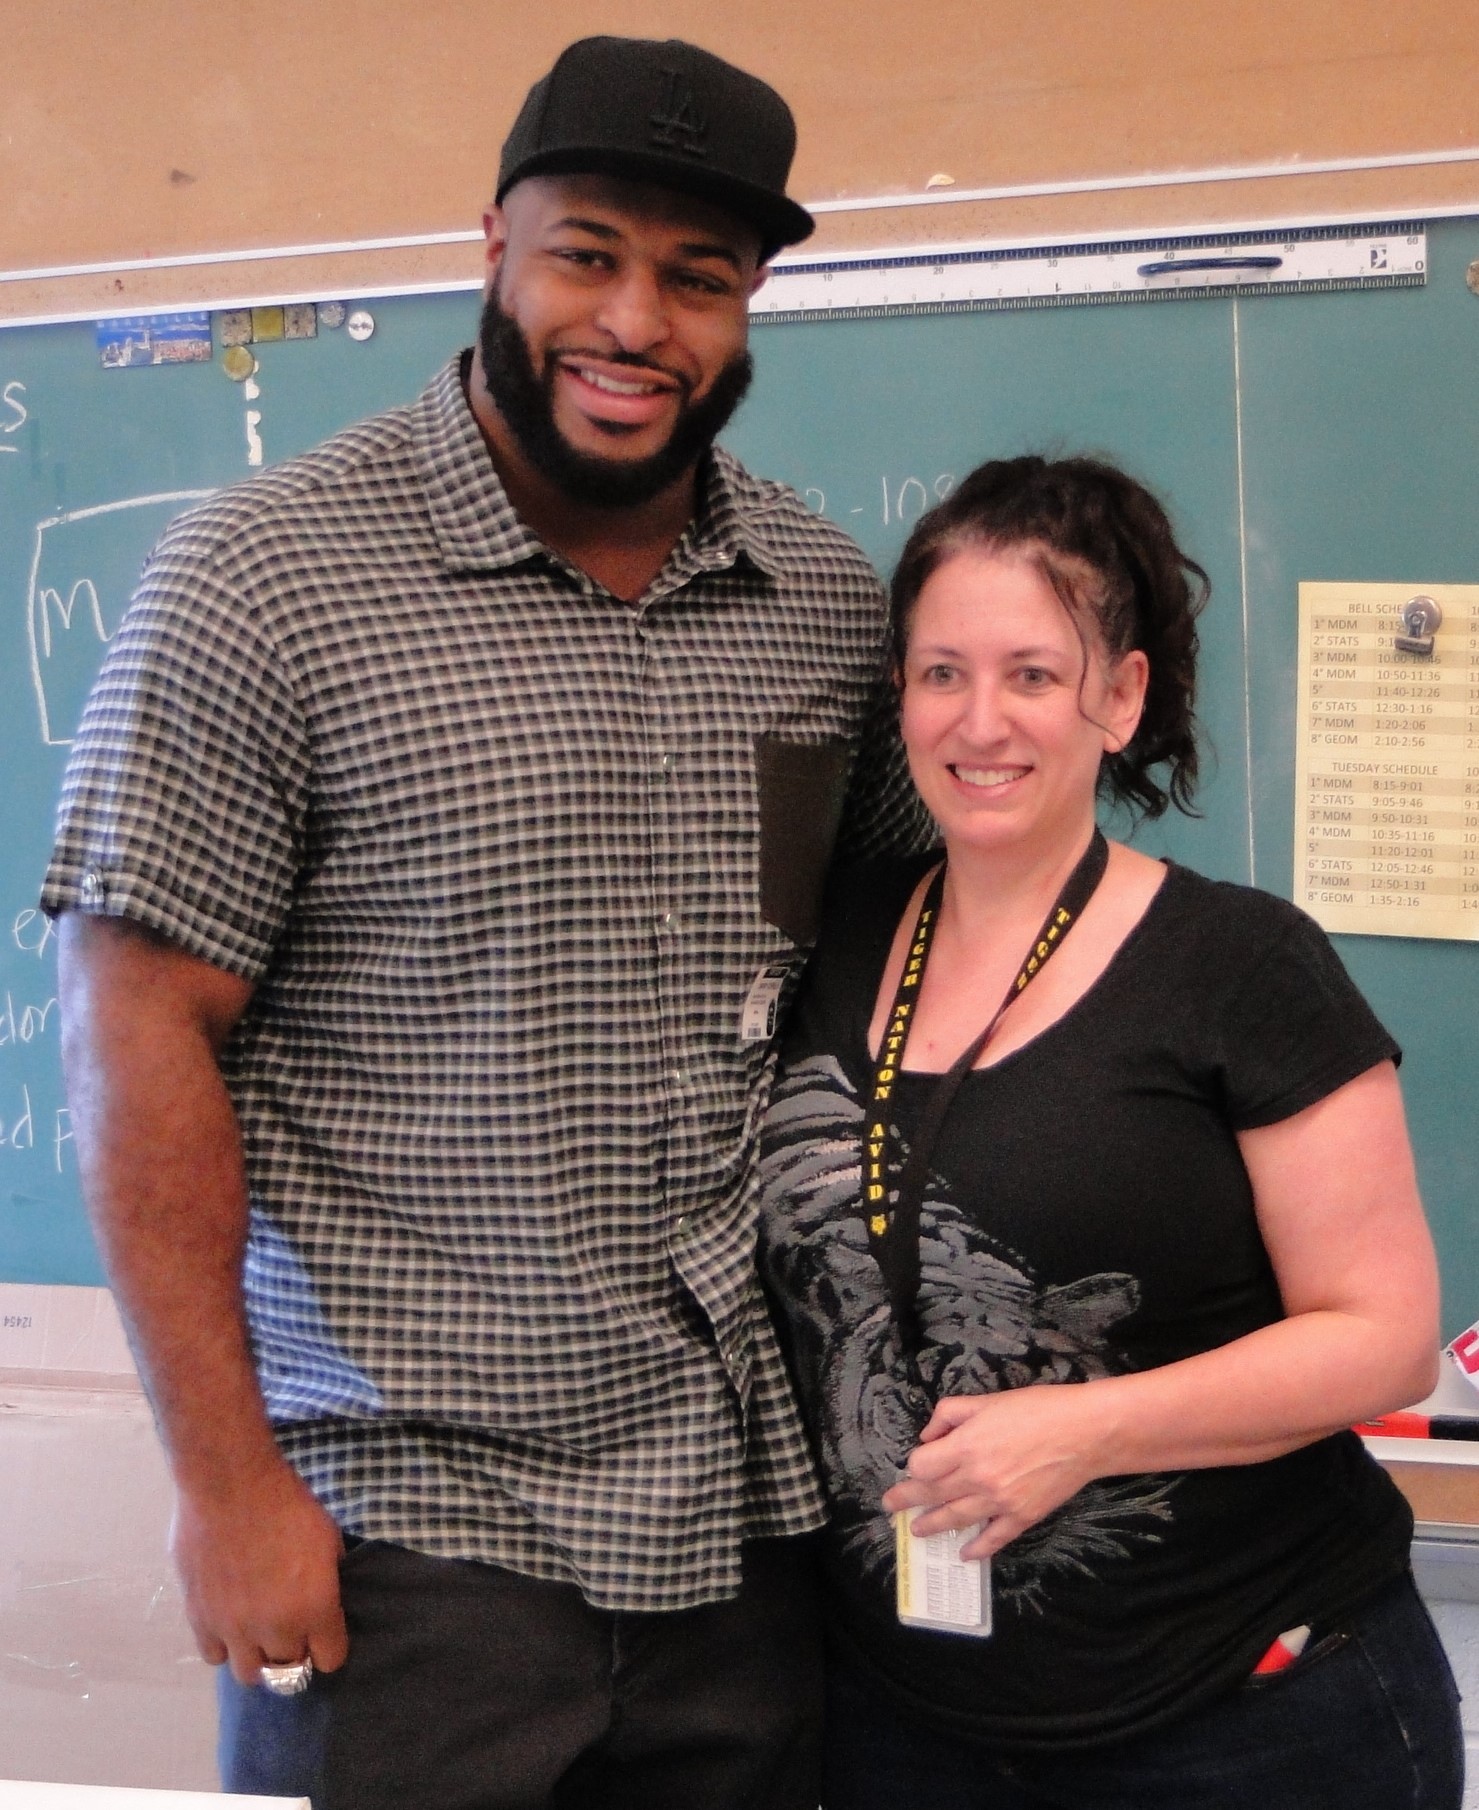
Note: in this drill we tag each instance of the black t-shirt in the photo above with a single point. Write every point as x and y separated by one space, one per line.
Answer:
1088 1214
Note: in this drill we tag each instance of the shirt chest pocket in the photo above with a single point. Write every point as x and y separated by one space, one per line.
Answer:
800 787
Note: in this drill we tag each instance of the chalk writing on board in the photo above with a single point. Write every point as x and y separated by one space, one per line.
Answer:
32 931
910 499
35 1125
13 415
24 1023
27 1124
18 1129
83 567
901 500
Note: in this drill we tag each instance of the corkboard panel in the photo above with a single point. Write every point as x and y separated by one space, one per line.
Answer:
1440 1492
185 128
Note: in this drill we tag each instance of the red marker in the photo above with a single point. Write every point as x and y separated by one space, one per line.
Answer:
1408 1425
1285 1650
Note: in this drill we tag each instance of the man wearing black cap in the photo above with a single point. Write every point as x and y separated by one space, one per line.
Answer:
442 840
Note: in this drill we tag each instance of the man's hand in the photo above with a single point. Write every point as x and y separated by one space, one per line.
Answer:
260 1569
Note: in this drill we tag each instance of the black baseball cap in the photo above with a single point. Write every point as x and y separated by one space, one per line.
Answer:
668 113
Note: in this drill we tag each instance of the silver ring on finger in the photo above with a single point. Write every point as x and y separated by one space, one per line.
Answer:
286 1680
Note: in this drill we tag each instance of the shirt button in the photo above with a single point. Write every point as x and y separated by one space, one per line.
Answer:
680 1226
665 920
666 763
92 890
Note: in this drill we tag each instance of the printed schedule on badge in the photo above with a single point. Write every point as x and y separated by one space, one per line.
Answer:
1386 813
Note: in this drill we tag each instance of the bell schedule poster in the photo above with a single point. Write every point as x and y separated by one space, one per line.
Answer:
1386 812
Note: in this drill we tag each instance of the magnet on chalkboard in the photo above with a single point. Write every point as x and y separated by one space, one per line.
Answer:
1421 617
234 326
332 314
299 320
267 323
238 363
360 325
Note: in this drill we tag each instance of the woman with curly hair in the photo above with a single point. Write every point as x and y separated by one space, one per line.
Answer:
1092 1222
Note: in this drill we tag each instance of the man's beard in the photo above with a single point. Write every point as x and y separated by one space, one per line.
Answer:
525 400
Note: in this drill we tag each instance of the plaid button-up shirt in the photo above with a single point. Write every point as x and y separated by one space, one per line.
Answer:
485 840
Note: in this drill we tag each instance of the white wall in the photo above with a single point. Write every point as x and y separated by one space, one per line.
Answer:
100 1683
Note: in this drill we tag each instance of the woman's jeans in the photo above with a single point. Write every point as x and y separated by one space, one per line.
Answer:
1367 1719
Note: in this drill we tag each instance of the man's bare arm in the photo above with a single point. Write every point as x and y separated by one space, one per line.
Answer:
161 1162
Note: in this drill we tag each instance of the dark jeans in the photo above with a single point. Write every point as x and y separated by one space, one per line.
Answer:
1366 1720
472 1688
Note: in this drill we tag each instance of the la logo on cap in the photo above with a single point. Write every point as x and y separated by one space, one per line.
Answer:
679 125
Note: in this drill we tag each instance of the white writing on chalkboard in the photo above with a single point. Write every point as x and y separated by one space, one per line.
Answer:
83 564
16 415
19 1133
903 500
23 1024
31 930
18 1127
53 608
33 1119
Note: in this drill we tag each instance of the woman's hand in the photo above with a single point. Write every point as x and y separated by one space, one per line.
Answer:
1337 1204
1003 1461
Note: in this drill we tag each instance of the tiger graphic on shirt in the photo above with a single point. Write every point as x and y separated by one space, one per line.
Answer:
987 1325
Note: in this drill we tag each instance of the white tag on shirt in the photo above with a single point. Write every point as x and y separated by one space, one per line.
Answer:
936 1587
757 1019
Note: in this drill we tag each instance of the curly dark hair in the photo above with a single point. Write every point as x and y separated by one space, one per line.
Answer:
1107 548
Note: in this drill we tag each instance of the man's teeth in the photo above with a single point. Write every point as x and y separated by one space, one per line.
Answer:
987 776
617 386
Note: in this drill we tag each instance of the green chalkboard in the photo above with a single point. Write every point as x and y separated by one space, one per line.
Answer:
1331 436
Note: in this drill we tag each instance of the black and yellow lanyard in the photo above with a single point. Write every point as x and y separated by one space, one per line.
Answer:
893 1230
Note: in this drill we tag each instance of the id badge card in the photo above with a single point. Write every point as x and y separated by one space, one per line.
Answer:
762 1003
937 1588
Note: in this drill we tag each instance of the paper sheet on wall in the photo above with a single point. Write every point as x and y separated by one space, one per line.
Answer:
1386 811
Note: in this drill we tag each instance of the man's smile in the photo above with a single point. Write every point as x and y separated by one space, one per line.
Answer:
619 397
620 386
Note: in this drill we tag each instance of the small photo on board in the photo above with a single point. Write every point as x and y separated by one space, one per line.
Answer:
154 339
